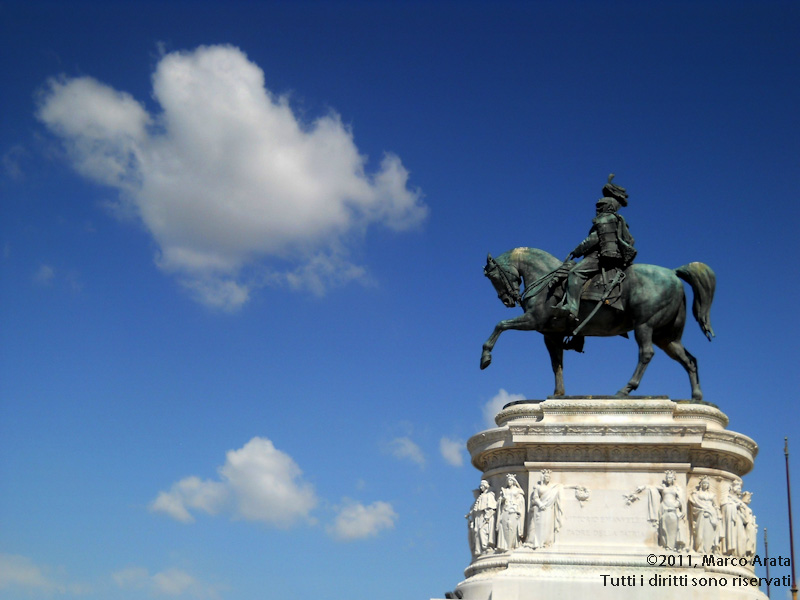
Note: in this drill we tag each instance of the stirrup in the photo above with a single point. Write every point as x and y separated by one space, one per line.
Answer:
574 342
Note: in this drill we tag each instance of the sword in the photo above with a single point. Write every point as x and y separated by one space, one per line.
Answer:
617 278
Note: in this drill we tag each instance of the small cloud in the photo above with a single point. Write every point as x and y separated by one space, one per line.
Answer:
170 582
174 582
356 521
496 404
21 572
191 492
452 451
228 295
47 276
267 484
258 482
131 577
323 272
44 275
12 162
73 281
405 449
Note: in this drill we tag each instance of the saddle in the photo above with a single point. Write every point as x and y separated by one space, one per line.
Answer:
594 289
592 292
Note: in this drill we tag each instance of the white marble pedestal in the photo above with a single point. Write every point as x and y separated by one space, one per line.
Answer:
608 524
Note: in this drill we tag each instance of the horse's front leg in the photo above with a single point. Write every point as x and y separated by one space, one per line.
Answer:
555 346
525 322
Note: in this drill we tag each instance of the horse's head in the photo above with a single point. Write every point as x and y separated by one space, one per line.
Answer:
506 281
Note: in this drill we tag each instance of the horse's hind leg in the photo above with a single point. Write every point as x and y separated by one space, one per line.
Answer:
644 338
676 351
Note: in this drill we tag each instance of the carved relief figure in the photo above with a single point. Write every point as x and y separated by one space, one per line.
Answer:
481 520
510 515
734 535
665 510
751 529
705 518
546 512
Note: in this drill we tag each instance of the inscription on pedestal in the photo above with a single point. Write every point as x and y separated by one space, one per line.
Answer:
597 521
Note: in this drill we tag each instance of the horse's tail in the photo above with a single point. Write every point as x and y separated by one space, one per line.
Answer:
703 282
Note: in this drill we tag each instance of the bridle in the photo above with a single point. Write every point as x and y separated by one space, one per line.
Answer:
495 272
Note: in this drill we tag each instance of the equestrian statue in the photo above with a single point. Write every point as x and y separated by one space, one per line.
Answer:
604 294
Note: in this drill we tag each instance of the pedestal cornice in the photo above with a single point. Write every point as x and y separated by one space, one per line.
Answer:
610 429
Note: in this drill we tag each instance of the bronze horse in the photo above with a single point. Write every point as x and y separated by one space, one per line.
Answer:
655 309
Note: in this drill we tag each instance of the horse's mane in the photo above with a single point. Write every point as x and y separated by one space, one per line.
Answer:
529 255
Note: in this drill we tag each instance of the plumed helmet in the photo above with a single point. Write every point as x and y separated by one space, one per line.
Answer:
611 190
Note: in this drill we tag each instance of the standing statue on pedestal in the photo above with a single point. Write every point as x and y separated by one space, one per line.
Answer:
481 520
559 302
510 515
734 535
665 510
608 247
705 518
750 526
546 512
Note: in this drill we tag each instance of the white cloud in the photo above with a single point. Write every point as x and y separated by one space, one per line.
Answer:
405 449
452 451
170 582
191 492
356 521
267 484
258 482
496 404
323 270
226 175
44 275
174 582
217 293
21 572
11 162
131 577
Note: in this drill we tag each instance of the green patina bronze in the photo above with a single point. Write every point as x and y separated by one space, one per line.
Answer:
617 297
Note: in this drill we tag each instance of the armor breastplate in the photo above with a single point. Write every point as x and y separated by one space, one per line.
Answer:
606 227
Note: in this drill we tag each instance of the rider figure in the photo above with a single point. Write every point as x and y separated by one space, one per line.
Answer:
608 245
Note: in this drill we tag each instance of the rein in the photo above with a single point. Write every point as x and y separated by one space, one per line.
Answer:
540 283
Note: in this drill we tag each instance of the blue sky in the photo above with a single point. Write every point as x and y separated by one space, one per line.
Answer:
241 272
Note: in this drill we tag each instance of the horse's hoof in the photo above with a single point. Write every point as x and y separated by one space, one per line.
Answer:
486 360
622 394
